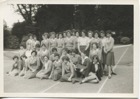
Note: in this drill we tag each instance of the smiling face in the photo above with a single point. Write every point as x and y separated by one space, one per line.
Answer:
94 46
60 36
46 58
83 34
90 35
102 35
96 35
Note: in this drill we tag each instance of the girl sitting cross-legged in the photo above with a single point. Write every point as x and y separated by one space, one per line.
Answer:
67 70
94 71
45 72
57 68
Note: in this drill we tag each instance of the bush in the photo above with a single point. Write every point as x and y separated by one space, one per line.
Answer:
125 40
13 42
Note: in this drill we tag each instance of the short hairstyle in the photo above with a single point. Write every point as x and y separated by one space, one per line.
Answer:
37 45
96 56
96 31
73 51
56 54
34 52
15 57
102 31
95 44
83 31
54 49
65 49
65 58
30 35
108 32
23 56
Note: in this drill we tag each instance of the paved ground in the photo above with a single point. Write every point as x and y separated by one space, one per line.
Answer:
121 83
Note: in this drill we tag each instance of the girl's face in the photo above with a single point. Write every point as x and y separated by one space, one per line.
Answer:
46 58
102 35
21 47
96 35
108 35
53 35
68 34
90 35
94 60
83 34
35 38
64 34
15 59
94 46
56 58
33 54
31 37
37 48
77 34
60 36
64 52
43 37
43 47
73 53
65 61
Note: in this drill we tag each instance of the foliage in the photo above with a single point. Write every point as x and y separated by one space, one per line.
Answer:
6 35
13 42
23 41
125 40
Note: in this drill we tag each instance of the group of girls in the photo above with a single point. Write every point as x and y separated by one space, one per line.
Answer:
66 56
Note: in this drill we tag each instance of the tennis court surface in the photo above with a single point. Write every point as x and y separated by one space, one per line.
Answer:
120 83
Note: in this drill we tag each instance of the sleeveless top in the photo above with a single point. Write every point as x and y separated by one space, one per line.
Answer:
46 64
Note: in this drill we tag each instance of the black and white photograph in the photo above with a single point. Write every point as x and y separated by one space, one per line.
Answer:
68 48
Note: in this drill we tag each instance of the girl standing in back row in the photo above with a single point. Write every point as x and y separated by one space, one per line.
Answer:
110 61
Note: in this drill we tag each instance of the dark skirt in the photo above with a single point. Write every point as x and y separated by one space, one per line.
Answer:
110 60
103 57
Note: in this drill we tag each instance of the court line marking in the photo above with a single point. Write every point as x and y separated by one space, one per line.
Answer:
113 69
50 87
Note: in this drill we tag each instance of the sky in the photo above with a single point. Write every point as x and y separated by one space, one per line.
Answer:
10 16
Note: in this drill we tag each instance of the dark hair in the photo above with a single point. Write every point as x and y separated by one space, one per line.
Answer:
56 54
73 51
95 56
37 45
15 57
65 49
108 32
95 44
65 58
30 35
23 56
34 52
54 49
102 31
